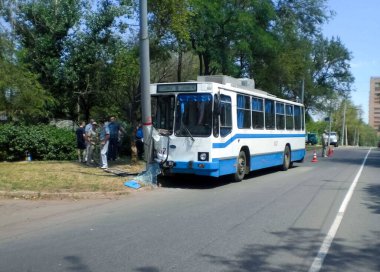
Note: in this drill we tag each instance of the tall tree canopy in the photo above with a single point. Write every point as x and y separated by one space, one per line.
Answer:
83 54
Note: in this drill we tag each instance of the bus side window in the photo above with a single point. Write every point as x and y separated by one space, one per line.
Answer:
225 115
280 116
243 111
289 117
257 113
297 117
269 114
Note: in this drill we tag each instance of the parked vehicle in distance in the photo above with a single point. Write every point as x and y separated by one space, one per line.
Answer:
333 138
311 138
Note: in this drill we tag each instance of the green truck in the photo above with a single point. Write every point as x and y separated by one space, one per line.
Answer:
311 138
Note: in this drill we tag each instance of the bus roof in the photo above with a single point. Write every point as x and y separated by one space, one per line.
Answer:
238 85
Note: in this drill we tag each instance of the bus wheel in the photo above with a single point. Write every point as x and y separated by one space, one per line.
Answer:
241 166
286 161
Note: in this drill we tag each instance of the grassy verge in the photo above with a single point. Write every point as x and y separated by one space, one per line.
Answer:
41 179
313 147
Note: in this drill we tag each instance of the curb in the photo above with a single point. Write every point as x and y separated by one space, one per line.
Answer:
32 195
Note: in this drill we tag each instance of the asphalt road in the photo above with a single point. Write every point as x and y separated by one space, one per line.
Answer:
271 221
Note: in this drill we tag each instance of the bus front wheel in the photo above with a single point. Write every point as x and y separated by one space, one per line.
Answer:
240 167
286 164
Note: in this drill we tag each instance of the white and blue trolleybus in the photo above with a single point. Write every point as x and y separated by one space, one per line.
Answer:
219 125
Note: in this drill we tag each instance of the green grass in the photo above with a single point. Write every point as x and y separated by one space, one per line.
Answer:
62 177
313 147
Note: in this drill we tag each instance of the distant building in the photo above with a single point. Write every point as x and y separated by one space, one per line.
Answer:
374 104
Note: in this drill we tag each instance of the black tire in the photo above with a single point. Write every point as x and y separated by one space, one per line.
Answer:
286 163
240 167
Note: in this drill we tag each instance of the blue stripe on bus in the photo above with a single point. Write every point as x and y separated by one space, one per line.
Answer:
255 136
220 167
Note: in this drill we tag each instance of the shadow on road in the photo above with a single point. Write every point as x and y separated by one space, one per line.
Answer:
292 250
373 197
202 182
295 251
76 264
191 182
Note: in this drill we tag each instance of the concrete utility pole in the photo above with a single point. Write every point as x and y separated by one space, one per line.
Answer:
145 80
344 123
328 141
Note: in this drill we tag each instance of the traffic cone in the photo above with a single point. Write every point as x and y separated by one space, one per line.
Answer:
330 152
314 157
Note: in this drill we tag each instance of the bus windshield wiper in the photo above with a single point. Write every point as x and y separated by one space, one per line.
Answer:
187 130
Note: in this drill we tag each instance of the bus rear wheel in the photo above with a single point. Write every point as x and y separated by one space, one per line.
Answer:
286 163
240 167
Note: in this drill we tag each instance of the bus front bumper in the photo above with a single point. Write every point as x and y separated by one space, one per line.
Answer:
192 167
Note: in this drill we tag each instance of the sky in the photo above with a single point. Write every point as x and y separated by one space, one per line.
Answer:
357 24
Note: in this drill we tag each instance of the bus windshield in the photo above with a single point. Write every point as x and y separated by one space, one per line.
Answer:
162 112
193 115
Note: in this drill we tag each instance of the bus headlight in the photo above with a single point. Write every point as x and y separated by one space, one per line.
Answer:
202 156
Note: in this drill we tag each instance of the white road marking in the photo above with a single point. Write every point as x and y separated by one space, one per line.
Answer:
318 261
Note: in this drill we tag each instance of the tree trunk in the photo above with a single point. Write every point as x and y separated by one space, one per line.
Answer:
179 67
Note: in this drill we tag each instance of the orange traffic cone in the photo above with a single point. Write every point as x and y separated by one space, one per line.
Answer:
314 157
330 152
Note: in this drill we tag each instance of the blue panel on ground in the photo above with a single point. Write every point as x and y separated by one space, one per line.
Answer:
132 184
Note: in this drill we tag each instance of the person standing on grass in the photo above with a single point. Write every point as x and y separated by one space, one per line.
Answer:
91 136
115 129
81 142
139 141
87 128
104 143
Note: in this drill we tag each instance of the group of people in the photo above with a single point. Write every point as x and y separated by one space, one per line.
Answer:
105 134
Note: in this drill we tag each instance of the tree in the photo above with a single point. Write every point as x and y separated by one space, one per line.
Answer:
91 54
329 74
125 84
214 33
21 96
41 28
169 22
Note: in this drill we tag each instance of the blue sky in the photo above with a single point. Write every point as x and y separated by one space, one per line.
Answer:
357 24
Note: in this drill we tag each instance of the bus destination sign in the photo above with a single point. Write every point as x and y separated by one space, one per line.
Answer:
169 88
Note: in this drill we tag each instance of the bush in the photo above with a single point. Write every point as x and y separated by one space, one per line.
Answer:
43 142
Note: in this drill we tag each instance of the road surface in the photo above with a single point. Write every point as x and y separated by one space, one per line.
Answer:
304 219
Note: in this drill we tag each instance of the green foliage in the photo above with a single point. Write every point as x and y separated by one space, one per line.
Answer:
83 54
330 78
43 142
42 27
94 55
21 96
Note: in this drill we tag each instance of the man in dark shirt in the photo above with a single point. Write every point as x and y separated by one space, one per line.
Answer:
81 142
115 129
139 141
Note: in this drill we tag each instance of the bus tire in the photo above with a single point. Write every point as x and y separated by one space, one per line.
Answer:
240 167
286 163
